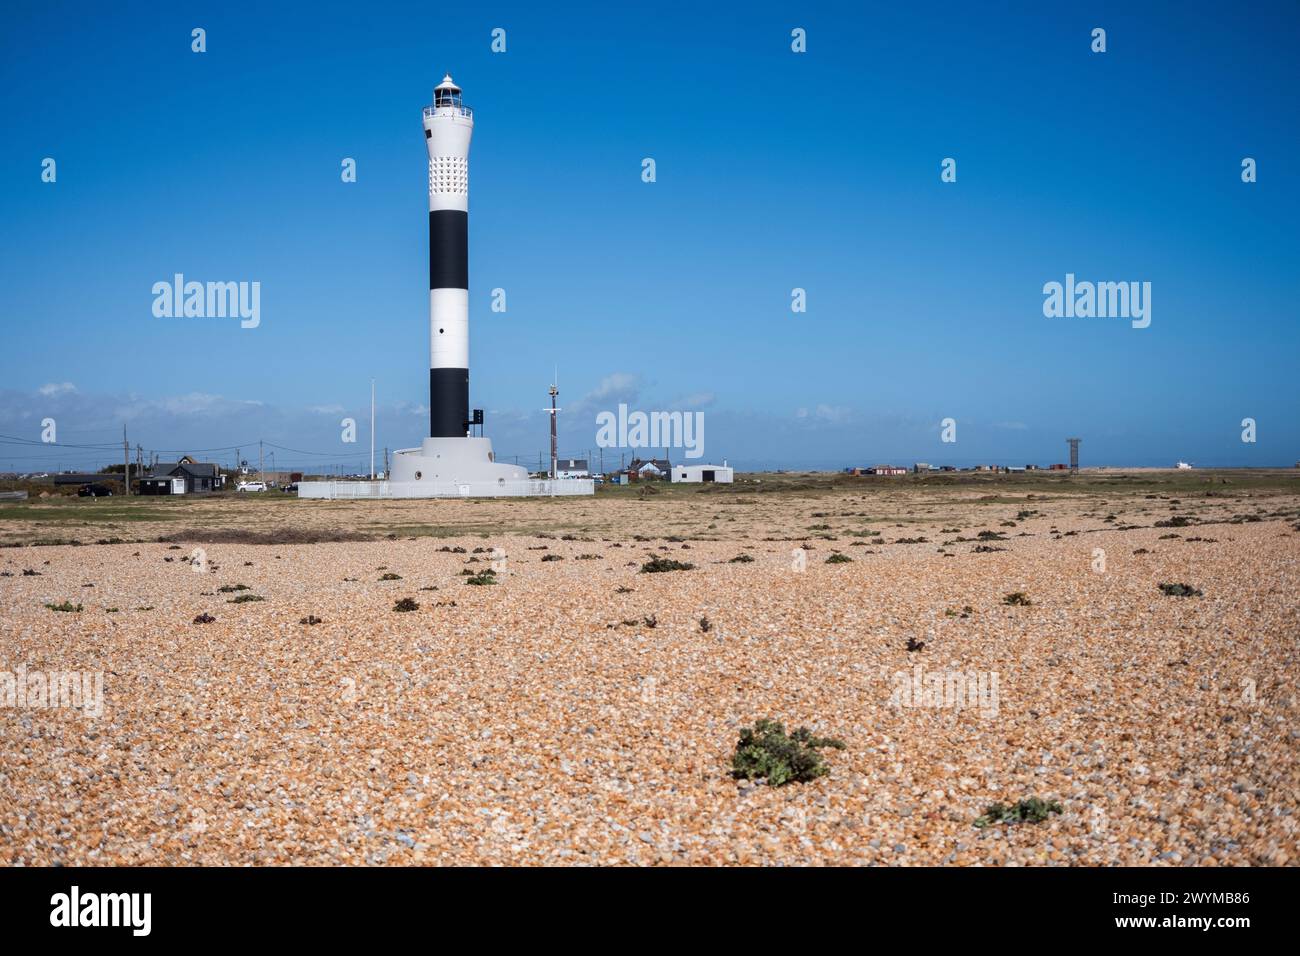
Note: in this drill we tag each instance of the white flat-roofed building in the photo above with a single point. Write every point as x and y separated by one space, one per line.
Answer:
722 474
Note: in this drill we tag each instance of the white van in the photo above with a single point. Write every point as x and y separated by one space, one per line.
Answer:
252 486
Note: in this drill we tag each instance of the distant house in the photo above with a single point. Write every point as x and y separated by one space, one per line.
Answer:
921 468
650 468
723 474
1058 467
572 468
184 477
890 470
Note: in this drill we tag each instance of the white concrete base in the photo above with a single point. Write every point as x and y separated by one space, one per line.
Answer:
456 460
448 468
502 488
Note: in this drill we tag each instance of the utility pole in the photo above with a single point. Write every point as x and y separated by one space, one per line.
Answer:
261 470
372 430
554 391
126 462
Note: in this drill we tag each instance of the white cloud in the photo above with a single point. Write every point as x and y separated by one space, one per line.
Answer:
57 388
825 414
620 386
696 400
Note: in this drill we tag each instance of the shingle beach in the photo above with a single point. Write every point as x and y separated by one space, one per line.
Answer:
581 711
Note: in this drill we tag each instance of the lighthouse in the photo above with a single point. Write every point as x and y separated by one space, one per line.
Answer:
448 127
452 461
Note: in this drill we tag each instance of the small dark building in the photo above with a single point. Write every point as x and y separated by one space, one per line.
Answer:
182 477
572 468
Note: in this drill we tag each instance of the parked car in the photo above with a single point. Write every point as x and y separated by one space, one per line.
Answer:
94 491
291 488
253 486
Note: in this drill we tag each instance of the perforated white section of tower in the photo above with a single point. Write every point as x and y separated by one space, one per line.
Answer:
449 174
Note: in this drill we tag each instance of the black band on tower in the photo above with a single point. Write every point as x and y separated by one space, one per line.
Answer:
448 249
448 402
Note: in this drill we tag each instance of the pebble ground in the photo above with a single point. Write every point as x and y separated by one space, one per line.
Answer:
578 712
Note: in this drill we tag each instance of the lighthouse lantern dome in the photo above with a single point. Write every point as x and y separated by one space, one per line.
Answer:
447 94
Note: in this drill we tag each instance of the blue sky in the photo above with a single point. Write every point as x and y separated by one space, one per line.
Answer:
775 170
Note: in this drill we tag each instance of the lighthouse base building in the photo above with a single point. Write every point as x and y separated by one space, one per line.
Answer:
452 462
448 468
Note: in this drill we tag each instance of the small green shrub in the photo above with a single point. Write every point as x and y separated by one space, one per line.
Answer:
1017 599
741 559
245 599
838 558
231 588
390 576
486 576
1033 810
1180 590
406 604
65 606
765 752
656 565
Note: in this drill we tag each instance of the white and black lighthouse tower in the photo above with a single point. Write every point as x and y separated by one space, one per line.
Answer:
451 460
448 127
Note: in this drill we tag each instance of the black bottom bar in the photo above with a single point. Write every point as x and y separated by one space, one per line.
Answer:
448 402
1231 910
